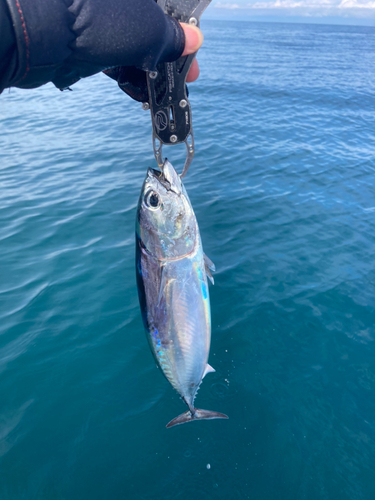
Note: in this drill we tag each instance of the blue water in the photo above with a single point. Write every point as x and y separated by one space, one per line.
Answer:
283 189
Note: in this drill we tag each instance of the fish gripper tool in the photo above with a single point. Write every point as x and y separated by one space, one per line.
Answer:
168 96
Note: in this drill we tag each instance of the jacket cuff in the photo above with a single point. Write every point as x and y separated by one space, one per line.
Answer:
43 34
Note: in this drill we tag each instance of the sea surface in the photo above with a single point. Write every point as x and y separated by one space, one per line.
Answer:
283 186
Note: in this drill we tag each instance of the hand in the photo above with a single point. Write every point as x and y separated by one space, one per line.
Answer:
193 41
133 80
92 36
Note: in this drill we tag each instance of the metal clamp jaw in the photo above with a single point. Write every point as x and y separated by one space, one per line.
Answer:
168 99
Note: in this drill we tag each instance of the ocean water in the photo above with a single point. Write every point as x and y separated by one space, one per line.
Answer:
283 189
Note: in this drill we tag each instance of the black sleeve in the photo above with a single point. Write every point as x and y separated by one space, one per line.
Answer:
65 40
8 50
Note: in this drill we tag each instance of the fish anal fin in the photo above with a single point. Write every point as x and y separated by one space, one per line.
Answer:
208 369
198 415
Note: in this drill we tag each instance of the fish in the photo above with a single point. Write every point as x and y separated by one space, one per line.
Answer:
172 272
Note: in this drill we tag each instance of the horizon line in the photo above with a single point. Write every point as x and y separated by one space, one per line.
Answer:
326 20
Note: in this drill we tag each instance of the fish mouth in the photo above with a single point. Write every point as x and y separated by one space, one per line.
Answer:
159 177
155 173
167 177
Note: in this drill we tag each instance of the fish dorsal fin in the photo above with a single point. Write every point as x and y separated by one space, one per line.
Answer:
208 369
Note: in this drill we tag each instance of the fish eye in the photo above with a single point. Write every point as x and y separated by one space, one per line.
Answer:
152 200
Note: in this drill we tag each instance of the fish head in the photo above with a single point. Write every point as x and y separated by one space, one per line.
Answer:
166 223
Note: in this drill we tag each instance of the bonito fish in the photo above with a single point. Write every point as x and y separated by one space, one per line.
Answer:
172 275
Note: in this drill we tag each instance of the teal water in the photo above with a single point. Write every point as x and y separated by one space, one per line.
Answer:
283 189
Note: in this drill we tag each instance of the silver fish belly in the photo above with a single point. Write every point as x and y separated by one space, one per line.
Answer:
172 286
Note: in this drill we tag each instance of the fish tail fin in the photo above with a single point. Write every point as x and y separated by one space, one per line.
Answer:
188 416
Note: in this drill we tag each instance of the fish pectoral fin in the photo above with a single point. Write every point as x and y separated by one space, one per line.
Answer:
208 369
164 281
209 263
197 415
208 274
208 267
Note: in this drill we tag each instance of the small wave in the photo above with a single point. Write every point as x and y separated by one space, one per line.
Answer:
9 421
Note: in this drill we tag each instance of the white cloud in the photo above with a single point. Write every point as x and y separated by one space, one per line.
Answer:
355 4
290 4
228 6
307 7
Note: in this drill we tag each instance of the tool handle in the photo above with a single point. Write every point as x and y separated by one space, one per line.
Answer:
168 97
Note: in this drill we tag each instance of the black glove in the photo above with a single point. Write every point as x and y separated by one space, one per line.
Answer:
65 40
131 80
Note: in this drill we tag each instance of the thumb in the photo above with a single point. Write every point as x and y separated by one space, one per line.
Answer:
193 38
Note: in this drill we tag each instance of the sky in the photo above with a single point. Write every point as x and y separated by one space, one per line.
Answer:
361 12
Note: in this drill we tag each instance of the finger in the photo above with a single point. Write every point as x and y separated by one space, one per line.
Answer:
193 38
193 72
